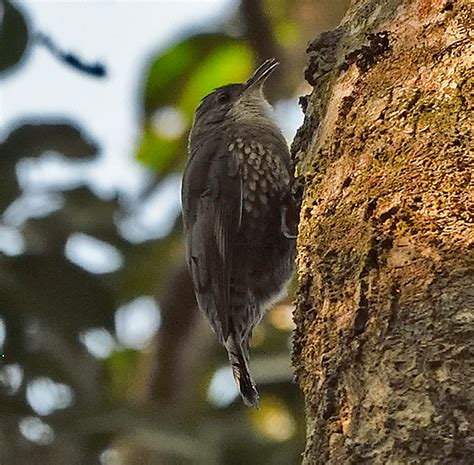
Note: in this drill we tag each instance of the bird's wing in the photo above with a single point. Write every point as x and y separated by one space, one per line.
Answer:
212 211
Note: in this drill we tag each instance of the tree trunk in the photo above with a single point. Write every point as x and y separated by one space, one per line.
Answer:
383 348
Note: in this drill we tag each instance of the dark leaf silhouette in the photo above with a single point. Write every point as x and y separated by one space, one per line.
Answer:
13 36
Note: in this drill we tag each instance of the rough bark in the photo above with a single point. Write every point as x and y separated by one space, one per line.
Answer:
383 349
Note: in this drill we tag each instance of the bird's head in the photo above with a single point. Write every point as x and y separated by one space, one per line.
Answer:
236 102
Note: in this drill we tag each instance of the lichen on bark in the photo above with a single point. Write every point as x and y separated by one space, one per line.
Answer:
383 349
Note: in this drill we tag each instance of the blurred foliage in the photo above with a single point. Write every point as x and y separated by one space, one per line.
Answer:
151 406
13 36
179 78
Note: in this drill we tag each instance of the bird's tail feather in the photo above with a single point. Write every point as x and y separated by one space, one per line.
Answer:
238 359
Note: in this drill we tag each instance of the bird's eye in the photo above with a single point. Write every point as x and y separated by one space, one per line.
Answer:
223 97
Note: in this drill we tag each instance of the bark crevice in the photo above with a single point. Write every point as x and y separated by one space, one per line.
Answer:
384 322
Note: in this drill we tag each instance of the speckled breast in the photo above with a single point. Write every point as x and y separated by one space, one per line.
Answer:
264 176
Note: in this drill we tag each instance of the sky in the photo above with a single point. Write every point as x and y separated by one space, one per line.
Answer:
123 35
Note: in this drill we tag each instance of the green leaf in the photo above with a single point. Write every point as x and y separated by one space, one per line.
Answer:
120 368
158 152
172 69
226 64
180 77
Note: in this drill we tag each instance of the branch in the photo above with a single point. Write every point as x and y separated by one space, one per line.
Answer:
96 69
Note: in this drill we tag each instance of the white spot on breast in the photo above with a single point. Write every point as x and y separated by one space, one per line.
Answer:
231 147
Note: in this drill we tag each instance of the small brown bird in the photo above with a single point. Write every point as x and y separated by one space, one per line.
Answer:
239 215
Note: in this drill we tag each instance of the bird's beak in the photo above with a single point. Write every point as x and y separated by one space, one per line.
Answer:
261 74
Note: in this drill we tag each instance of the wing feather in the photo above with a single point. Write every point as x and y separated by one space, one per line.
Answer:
212 212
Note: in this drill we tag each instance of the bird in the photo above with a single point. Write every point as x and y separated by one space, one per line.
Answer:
239 215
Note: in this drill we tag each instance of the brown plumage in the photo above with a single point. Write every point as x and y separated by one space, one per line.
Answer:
238 215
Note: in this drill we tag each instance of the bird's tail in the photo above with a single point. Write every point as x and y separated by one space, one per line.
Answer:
238 359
